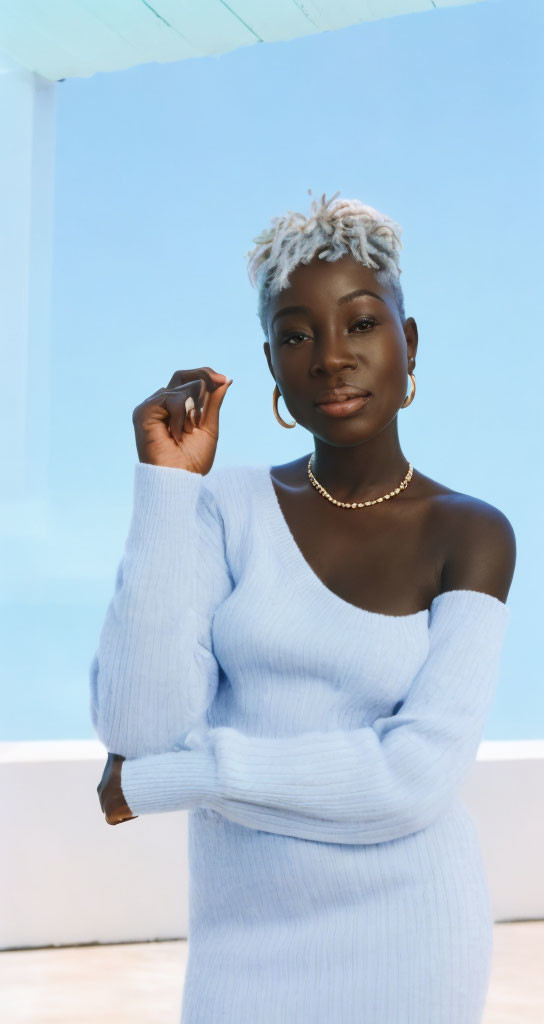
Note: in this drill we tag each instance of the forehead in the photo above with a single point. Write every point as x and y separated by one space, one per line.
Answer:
319 282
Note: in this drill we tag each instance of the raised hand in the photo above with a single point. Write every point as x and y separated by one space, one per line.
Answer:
178 426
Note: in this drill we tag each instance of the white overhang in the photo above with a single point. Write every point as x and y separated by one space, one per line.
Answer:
76 38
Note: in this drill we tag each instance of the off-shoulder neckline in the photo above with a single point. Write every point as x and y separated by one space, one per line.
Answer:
304 576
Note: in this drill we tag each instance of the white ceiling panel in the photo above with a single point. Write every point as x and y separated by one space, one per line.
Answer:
76 38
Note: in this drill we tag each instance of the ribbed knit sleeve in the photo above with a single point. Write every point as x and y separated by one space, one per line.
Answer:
154 675
363 785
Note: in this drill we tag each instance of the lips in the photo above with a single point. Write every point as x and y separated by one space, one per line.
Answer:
341 395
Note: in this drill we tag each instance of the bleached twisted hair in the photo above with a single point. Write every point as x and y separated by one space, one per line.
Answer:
338 228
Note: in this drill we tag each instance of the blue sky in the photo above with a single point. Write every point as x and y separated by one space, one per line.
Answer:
165 173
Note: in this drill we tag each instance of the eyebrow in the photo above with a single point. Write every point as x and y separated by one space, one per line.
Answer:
341 301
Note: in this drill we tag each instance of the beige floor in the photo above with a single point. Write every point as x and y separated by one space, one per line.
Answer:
141 983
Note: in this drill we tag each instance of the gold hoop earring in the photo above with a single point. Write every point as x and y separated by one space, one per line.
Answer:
405 404
275 397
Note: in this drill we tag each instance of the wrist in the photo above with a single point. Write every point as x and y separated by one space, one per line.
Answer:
176 780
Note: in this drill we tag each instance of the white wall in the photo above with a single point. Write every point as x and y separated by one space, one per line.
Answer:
66 877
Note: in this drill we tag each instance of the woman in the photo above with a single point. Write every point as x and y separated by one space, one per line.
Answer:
303 656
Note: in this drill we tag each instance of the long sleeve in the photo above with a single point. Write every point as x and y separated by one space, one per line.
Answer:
154 674
365 785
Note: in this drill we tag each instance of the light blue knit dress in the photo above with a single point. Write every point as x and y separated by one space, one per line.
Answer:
336 875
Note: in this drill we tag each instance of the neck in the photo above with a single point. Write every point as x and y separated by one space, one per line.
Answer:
362 471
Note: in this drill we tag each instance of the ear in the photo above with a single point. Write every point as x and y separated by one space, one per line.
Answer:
411 335
266 348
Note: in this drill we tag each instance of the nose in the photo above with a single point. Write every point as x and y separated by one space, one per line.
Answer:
333 353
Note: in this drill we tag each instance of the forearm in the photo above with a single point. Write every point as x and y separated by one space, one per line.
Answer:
345 787
154 675
366 785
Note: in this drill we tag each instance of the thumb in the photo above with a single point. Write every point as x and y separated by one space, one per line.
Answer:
215 400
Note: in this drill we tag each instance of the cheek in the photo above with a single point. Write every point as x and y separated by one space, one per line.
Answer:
292 364
391 363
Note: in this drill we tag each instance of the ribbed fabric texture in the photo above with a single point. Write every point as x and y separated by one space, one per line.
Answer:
336 876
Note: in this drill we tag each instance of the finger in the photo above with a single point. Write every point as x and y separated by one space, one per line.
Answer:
160 398
199 389
146 401
179 402
178 405
177 412
180 418
204 408
196 385
193 388
206 373
190 411
194 382
210 418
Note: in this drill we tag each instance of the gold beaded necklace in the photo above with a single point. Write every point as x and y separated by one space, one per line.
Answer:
359 504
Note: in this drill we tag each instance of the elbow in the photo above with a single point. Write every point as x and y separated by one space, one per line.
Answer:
101 726
103 732
94 706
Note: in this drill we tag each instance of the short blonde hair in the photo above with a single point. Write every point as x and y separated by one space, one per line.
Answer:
334 227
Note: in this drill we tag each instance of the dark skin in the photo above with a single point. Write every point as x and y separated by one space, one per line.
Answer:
165 435
392 558
110 794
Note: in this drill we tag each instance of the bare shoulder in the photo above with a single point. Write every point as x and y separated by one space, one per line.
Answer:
474 541
478 542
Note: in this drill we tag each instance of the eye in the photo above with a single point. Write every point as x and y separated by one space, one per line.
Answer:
368 320
289 336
